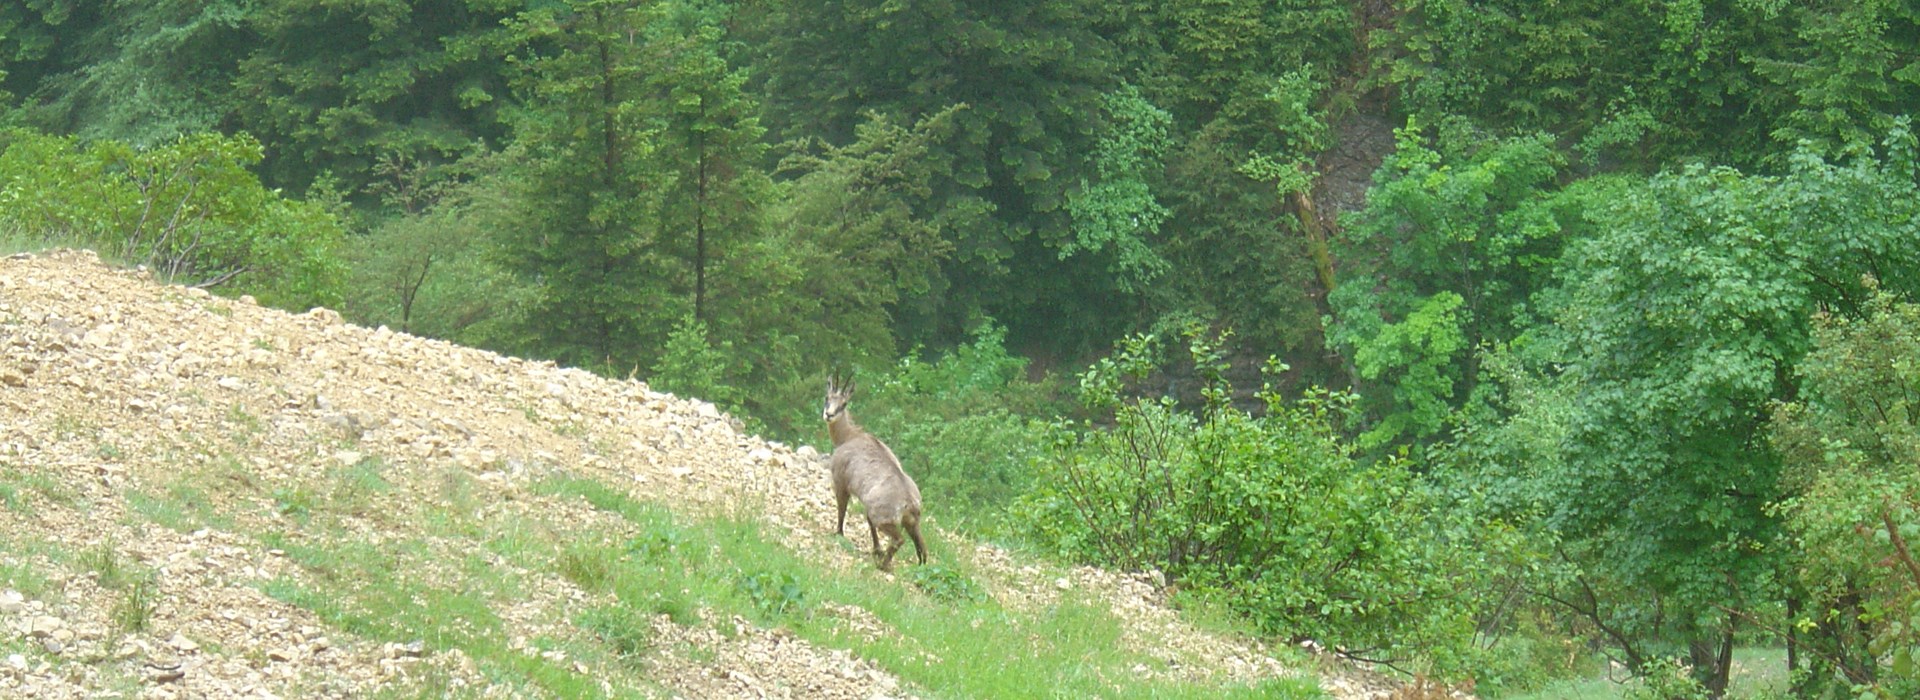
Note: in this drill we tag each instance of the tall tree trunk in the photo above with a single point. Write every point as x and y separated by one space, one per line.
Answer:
1713 661
1316 242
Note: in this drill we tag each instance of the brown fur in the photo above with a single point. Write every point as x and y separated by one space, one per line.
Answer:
863 467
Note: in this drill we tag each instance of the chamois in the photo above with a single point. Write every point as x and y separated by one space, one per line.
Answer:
863 466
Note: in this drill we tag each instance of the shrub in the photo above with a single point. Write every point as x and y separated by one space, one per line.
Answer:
1849 447
189 209
1271 510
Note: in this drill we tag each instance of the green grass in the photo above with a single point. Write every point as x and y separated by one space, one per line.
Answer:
180 507
1758 673
19 486
370 590
404 590
13 499
949 638
19 572
953 641
135 585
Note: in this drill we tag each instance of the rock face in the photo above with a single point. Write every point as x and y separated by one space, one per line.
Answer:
122 400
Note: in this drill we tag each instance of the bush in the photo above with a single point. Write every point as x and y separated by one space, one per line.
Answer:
189 209
1849 447
1272 511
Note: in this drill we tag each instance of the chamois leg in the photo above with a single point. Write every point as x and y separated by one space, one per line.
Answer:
894 540
840 523
919 547
871 530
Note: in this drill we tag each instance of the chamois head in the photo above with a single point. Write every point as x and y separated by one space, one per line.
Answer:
839 394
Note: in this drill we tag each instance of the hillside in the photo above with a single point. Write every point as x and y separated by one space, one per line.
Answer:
207 498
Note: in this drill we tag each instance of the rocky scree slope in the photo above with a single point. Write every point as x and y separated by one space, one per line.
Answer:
160 430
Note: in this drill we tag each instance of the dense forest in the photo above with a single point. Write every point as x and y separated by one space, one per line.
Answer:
1488 339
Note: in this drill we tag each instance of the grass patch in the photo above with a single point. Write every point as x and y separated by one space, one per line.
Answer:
624 629
18 487
953 640
180 507
13 499
1758 674
19 572
406 590
136 585
368 593
133 610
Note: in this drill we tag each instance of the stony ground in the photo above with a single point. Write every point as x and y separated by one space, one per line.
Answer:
113 386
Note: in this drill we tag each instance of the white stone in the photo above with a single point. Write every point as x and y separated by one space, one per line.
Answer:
180 643
45 625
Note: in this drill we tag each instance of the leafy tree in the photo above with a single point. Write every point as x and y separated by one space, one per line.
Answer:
1850 75
429 269
846 253
1119 214
1680 319
30 35
1455 241
1211 61
855 222
335 86
692 365
709 139
1641 83
1031 76
1285 158
142 72
1849 445
1270 512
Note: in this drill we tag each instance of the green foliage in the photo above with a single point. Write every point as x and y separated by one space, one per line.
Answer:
142 72
338 88
865 207
1031 77
692 366
1644 82
1237 267
1119 211
1454 243
774 593
1299 131
1271 510
1667 679
430 269
1423 352
709 146
945 583
1854 503
1676 324
604 286
189 209
1850 75
629 632
1209 60
966 426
